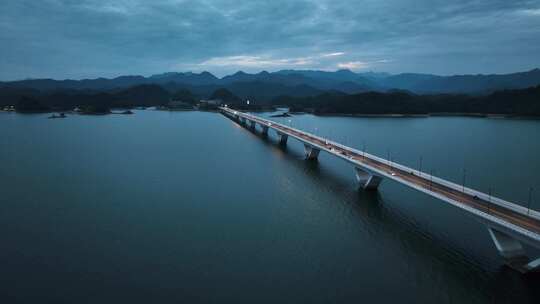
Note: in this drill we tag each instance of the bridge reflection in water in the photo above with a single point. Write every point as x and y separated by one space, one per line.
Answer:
510 225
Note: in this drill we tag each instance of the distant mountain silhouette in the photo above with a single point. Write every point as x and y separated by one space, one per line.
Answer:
265 86
190 78
470 84
88 84
335 77
265 91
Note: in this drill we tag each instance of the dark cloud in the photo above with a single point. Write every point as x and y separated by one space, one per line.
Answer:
63 38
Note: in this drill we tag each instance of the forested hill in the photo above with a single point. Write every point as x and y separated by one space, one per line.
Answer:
521 102
32 101
524 102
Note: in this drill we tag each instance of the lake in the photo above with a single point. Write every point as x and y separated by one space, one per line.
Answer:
163 207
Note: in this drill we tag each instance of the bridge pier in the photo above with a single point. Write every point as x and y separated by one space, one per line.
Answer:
513 252
264 129
251 124
367 180
311 152
282 137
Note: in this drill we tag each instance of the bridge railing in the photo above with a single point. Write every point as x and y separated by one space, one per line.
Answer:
460 188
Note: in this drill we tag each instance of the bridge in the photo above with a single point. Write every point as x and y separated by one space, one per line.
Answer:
509 225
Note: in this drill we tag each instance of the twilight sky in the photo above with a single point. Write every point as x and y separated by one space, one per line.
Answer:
87 39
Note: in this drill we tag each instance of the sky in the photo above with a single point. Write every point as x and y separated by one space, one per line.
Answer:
104 38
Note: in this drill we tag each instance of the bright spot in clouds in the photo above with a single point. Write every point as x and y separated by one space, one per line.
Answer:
333 54
254 61
353 65
257 62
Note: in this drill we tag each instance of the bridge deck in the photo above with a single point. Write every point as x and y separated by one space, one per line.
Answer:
423 181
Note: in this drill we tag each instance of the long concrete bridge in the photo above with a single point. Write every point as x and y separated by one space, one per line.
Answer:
509 225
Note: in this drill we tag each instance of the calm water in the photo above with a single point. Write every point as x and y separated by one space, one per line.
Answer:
163 207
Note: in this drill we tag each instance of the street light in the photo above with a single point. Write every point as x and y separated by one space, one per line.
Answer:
364 150
489 201
420 167
529 202
464 174
430 179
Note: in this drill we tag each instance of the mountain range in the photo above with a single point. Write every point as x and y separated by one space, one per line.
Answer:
265 86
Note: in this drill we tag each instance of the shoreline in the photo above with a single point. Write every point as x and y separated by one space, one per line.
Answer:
397 115
359 115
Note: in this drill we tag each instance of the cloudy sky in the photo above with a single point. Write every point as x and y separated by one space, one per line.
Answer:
93 38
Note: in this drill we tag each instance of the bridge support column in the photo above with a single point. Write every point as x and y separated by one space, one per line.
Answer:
264 129
282 138
367 180
251 124
512 251
311 152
